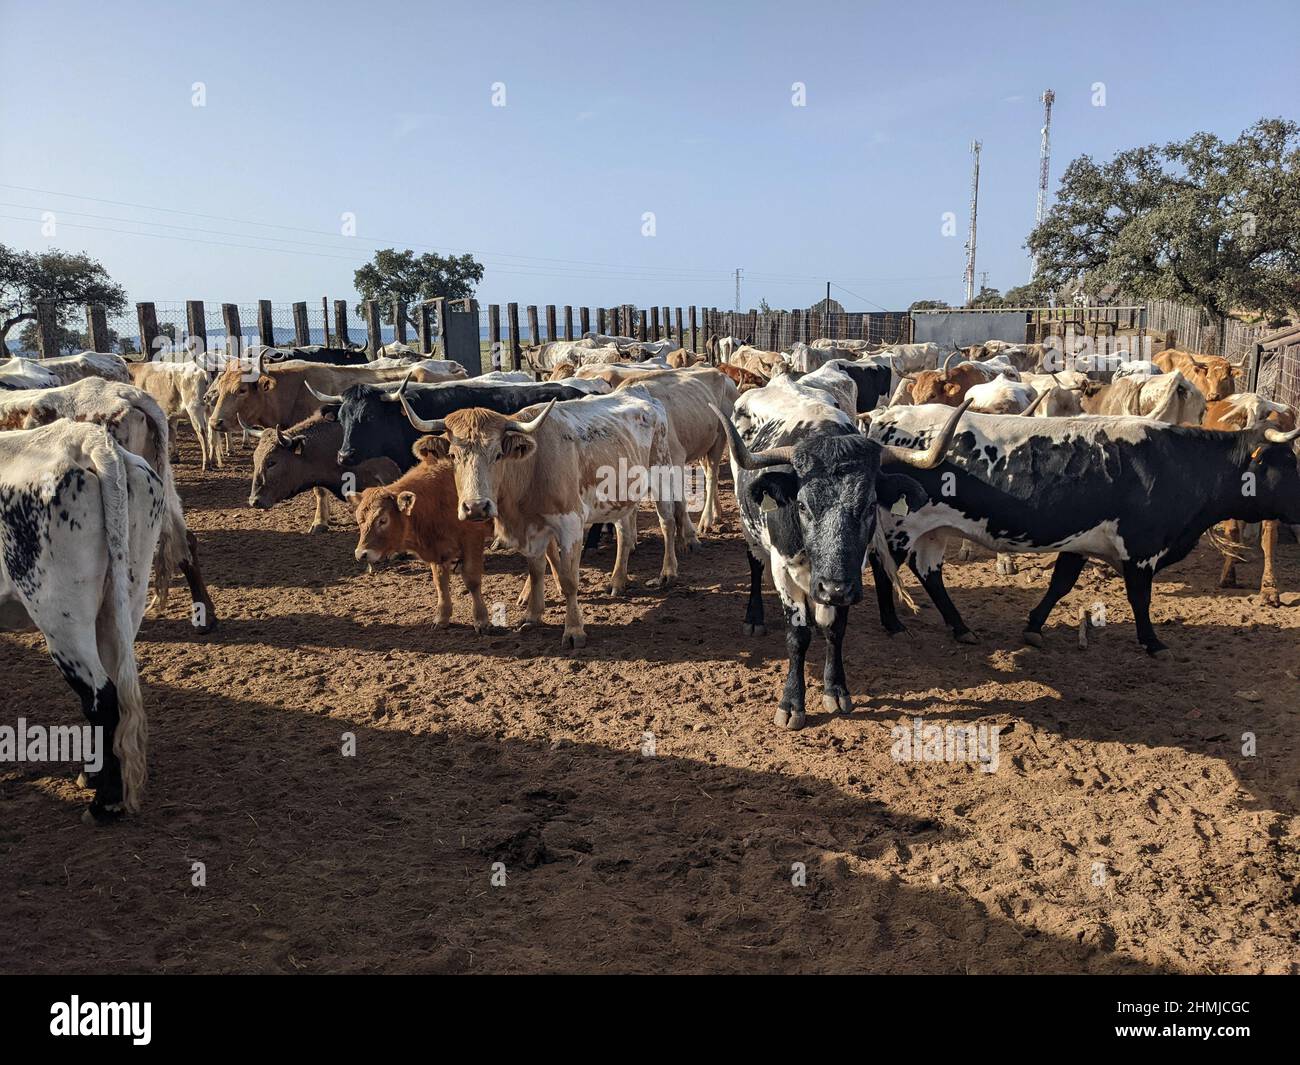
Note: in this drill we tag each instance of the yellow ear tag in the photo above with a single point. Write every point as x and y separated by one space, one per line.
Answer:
768 505
1254 455
899 507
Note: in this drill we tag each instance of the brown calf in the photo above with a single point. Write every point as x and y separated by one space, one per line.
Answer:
416 515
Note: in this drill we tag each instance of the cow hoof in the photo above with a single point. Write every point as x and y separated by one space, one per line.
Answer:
1034 639
753 630
1010 569
838 703
319 527
793 720
442 623
663 582
573 641
616 590
1270 597
99 814
207 626
87 780
1160 651
965 637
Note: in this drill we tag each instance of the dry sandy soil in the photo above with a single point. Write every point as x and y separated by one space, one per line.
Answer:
1124 830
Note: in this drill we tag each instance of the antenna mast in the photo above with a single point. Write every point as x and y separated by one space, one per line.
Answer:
1044 160
738 288
974 211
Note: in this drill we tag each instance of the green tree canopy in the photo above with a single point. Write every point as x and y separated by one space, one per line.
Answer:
1204 220
928 305
403 275
69 279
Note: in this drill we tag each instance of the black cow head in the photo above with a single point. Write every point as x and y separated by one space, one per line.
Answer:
821 494
372 421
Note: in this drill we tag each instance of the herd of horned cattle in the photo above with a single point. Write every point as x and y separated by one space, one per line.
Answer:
844 456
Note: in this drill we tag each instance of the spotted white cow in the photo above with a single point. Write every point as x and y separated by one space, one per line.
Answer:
79 522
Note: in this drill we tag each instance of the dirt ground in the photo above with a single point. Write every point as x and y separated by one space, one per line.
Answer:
1123 831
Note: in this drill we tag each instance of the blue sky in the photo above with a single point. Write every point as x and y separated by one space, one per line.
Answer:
613 110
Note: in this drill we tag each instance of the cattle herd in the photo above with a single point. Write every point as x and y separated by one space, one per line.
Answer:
844 457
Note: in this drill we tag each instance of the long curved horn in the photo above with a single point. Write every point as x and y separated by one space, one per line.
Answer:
256 434
322 397
1276 436
949 358
389 392
282 438
425 425
749 460
1028 412
933 455
532 425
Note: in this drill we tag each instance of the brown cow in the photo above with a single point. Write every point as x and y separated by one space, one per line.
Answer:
1210 373
290 461
416 515
950 384
1238 412
741 377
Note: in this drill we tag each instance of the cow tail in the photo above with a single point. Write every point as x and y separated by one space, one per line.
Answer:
880 545
132 730
173 543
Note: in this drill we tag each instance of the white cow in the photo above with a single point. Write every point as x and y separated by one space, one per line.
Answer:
79 524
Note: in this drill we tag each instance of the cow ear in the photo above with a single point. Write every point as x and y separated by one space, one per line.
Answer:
266 382
330 412
429 449
517 445
297 444
781 486
405 502
892 487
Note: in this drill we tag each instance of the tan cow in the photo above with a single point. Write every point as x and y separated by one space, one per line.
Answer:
695 434
547 472
1167 397
1209 373
181 388
1238 412
416 515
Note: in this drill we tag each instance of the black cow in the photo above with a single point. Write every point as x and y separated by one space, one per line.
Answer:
872 378
809 485
375 427
1135 493
318 353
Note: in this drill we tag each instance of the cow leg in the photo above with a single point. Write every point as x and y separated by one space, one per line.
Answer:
1268 582
932 582
966 552
835 686
75 652
593 536
623 540
535 588
471 573
320 520
1064 574
199 425
754 619
885 596
203 615
1006 565
1232 530
1137 585
668 529
567 572
790 711
442 583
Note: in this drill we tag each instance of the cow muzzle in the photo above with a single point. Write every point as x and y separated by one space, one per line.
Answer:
367 554
347 458
477 510
836 593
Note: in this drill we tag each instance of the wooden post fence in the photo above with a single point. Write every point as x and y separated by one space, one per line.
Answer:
512 323
97 327
374 336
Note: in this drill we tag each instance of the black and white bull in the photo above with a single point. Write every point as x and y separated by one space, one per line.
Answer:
808 485
374 425
1134 493
80 518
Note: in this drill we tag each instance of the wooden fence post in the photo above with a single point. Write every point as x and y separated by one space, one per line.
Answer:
146 315
642 325
534 333
97 327
584 321
301 330
399 321
424 327
512 323
654 324
681 333
265 323
568 322
695 333
613 321
234 333
374 335
341 323
47 328
494 336
550 322
197 324
325 319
